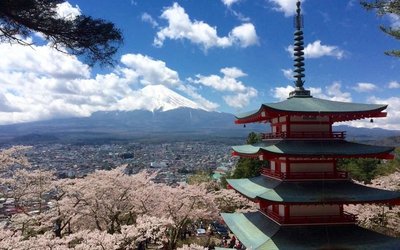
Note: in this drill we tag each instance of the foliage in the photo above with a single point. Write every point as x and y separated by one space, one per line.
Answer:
248 167
104 210
359 169
96 39
386 7
367 169
391 166
199 177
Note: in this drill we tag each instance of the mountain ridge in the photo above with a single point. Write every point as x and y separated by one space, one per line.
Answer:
183 123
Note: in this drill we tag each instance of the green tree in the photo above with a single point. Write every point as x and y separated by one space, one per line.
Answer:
360 169
248 167
388 167
95 39
368 169
199 177
386 7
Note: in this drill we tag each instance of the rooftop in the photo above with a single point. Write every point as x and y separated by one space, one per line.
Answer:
256 231
311 192
312 148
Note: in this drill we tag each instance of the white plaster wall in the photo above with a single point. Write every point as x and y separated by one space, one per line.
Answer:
312 167
296 118
283 167
272 165
281 210
309 127
314 210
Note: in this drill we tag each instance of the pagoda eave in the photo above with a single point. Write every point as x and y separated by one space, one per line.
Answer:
257 231
270 190
267 112
390 202
265 155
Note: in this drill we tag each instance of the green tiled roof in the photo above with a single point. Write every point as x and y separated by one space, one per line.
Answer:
258 232
312 148
327 191
315 105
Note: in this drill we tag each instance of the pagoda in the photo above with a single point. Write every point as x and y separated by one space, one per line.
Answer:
301 193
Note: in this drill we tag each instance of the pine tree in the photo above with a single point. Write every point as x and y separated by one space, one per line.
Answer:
95 39
387 7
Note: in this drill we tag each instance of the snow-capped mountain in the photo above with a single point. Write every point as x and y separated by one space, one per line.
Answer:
159 97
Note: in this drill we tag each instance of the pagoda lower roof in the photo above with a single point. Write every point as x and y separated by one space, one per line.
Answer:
339 111
312 148
256 231
311 192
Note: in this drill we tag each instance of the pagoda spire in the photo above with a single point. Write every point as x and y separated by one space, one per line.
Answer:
299 56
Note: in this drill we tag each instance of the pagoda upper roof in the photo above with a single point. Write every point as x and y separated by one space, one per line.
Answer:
256 231
312 148
339 111
311 192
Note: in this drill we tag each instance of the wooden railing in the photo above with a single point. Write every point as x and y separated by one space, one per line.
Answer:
305 135
304 175
321 219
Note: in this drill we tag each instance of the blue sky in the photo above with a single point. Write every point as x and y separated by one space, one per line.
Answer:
225 55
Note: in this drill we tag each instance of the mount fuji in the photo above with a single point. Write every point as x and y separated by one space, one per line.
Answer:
153 114
159 97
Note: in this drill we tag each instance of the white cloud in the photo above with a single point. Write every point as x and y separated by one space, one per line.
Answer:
192 92
229 83
392 120
229 3
66 11
316 50
240 100
282 93
198 32
149 19
288 73
394 85
365 87
41 60
40 83
288 7
237 14
245 35
226 83
332 92
233 72
151 71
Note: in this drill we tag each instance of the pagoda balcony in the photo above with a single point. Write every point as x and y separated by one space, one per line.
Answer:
345 218
304 175
340 135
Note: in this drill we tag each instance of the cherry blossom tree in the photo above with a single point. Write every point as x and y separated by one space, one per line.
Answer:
104 210
382 218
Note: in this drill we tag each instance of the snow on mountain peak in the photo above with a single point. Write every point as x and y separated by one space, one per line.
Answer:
162 98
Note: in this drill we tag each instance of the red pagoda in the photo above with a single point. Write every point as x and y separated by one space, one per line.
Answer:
301 194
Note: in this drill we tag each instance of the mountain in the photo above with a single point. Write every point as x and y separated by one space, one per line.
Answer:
161 114
179 123
159 97
157 126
